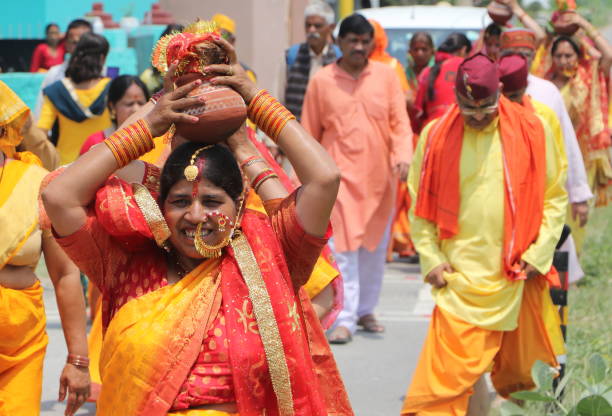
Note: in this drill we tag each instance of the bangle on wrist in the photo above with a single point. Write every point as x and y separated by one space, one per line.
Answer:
78 360
262 177
131 142
269 114
155 97
250 161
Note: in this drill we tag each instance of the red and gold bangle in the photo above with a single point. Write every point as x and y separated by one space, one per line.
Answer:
262 177
78 360
269 114
265 178
130 142
155 97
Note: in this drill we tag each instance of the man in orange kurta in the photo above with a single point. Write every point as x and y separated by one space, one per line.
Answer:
356 109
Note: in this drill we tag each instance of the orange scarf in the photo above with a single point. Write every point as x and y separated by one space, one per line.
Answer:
524 160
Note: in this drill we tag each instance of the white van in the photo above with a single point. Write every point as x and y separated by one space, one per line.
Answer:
400 22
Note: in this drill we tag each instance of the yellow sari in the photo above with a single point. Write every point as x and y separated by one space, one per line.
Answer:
148 340
23 340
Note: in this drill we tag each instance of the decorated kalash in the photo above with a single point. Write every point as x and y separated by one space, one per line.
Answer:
205 254
223 110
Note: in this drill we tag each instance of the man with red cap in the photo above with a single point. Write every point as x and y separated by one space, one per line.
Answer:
487 179
523 41
513 73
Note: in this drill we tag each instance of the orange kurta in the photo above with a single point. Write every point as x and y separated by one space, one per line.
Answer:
362 122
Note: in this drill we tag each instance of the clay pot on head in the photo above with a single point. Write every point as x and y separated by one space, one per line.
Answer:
220 115
499 13
560 23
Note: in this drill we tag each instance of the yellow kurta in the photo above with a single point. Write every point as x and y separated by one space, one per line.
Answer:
72 133
550 312
477 291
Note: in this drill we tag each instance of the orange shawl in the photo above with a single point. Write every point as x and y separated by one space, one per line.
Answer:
524 160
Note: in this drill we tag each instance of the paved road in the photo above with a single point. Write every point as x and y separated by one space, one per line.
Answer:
375 368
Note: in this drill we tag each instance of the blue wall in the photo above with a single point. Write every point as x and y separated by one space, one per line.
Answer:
28 18
130 53
25 85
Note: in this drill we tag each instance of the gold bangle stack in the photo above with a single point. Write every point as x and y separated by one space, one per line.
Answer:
130 142
269 114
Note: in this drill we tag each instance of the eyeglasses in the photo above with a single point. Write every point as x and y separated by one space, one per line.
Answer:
470 111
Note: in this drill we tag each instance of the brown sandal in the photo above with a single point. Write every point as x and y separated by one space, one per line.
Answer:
340 335
370 324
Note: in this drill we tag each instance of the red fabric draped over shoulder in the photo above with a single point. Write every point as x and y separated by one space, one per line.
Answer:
524 159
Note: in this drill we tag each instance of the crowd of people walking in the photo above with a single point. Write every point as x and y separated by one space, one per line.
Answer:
228 237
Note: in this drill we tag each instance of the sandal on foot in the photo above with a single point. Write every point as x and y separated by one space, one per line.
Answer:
340 335
370 324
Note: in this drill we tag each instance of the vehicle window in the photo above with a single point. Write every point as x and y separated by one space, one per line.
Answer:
400 38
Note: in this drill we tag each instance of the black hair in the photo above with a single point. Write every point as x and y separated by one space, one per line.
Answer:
424 35
493 30
79 23
87 60
356 24
220 168
453 43
171 28
569 40
118 87
49 26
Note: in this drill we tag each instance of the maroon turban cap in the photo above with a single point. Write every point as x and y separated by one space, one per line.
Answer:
477 77
513 72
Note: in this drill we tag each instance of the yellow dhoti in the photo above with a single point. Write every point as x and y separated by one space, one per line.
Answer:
23 342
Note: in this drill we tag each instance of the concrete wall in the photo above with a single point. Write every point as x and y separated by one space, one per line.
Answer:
264 29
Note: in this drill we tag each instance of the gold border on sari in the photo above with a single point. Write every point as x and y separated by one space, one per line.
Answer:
151 212
266 321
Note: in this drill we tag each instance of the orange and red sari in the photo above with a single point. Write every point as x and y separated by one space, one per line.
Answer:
587 101
154 331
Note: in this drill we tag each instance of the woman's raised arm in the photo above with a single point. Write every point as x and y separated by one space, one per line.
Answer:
68 195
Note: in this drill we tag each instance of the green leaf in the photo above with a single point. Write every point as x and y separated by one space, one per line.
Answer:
608 394
594 406
563 383
532 395
510 409
597 368
542 375
598 389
